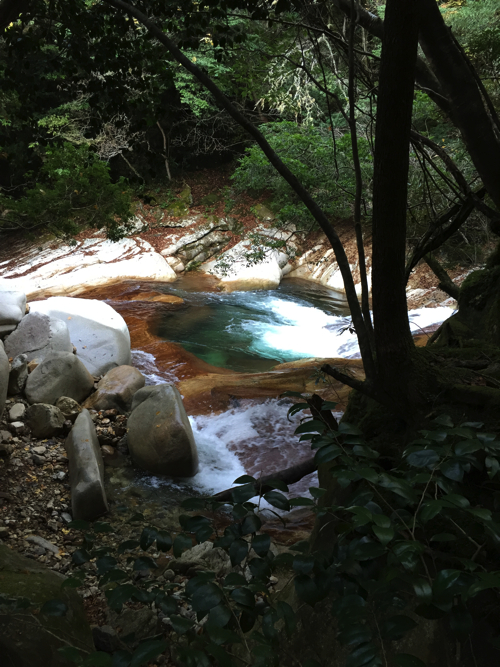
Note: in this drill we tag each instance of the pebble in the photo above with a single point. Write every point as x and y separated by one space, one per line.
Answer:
39 450
39 460
42 542
17 427
17 412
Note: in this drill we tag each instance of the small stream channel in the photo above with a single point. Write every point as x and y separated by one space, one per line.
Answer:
244 332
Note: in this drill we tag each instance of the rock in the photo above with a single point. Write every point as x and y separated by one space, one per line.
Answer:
39 450
5 436
116 389
134 624
59 374
242 276
203 556
17 412
69 407
18 374
99 333
6 329
31 366
44 421
12 307
39 460
25 643
17 428
86 470
106 639
4 377
37 336
42 542
158 297
160 438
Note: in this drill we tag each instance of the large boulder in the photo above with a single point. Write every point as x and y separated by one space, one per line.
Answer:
59 374
12 308
4 377
27 637
44 420
243 275
18 374
160 438
116 389
98 332
37 336
86 470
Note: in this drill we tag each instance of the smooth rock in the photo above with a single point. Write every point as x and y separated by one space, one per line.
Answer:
242 276
44 420
116 389
69 407
37 336
99 333
86 470
12 307
6 329
160 438
39 450
24 642
17 428
5 436
18 374
59 374
4 377
17 412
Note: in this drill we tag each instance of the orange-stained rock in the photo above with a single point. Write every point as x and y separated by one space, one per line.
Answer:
157 297
212 392
116 389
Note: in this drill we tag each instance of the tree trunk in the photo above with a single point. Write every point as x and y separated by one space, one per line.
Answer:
468 110
393 342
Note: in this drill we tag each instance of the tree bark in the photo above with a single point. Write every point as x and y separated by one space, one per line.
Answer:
393 341
468 110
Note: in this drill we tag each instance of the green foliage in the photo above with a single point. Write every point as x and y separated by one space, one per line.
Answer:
324 169
477 25
414 539
74 191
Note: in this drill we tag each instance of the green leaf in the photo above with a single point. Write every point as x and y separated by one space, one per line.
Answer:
80 556
148 537
461 622
396 627
181 543
219 616
452 470
121 659
327 453
493 466
311 426
349 429
119 595
316 492
423 589
444 584
444 420
163 541
443 537
243 596
136 517
206 597
407 660
235 579
455 500
385 535
467 447
193 504
365 452
245 479
105 564
243 493
278 500
102 527
251 524
238 551
97 659
425 458
277 484
285 612
361 656
261 544
71 653
54 608
354 635
180 624
303 564
144 563
429 510
302 502
484 581
306 589
128 545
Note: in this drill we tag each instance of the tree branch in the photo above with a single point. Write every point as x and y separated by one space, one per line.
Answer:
445 282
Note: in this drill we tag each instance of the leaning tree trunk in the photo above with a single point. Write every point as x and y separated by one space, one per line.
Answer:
468 110
393 342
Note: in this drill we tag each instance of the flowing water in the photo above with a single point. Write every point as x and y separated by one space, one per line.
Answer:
251 332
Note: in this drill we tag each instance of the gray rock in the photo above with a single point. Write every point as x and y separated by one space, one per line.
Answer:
59 374
42 542
116 389
6 329
98 332
160 438
17 428
37 336
203 556
134 624
12 307
39 460
40 450
25 643
69 407
18 374
106 639
4 377
86 470
17 412
5 436
44 420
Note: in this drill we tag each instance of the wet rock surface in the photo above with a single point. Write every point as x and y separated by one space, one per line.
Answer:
116 389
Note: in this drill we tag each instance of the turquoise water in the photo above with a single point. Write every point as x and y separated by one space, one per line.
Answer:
253 331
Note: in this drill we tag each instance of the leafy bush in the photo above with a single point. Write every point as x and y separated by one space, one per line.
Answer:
74 191
414 538
309 152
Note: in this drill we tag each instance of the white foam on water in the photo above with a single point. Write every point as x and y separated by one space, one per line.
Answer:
146 363
306 331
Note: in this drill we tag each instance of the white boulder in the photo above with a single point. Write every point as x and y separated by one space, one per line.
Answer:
98 332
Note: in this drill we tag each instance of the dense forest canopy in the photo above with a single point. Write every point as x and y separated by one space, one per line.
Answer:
386 114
